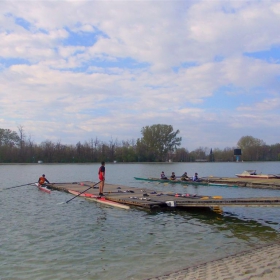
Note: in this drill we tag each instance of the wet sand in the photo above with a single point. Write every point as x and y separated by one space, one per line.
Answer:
256 264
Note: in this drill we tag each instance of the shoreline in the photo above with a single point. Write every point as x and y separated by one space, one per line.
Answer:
262 263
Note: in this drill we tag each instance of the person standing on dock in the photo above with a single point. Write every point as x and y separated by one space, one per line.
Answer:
101 175
42 180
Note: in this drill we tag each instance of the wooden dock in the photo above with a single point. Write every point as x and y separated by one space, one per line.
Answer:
150 199
273 183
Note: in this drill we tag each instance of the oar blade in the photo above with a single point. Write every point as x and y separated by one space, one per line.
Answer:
60 203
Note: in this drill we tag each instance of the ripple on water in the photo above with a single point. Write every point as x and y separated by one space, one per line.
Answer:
42 239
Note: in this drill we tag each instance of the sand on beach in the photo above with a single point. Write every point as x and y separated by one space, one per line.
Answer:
257 264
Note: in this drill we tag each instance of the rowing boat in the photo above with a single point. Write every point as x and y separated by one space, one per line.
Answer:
190 182
253 174
166 180
42 188
202 182
102 199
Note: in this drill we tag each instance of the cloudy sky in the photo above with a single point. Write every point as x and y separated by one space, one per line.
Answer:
75 70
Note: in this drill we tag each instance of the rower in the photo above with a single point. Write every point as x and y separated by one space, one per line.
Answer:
42 180
185 177
173 176
195 177
162 176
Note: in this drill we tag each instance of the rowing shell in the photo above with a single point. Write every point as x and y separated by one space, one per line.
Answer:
42 188
102 200
190 182
203 182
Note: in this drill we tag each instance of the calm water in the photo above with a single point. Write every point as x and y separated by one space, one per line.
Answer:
43 239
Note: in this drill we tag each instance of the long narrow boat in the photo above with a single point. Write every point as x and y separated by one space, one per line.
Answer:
190 182
253 174
99 199
166 180
172 181
42 188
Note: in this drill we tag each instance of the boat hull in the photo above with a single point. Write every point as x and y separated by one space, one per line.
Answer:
163 180
260 176
102 200
42 188
202 182
252 174
190 182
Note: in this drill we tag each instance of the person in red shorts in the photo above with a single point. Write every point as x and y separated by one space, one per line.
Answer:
101 175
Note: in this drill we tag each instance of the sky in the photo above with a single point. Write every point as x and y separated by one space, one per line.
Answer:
73 71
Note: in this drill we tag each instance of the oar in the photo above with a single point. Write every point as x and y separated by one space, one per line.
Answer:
92 186
18 186
64 183
80 193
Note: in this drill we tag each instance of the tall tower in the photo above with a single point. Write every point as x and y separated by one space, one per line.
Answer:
237 154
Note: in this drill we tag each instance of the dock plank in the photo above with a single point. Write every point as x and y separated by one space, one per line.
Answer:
150 199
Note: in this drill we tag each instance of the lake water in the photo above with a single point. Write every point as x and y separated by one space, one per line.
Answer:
44 239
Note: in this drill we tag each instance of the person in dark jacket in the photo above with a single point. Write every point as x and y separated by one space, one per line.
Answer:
42 180
173 176
185 177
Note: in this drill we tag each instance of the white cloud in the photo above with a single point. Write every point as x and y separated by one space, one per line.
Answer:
262 107
185 53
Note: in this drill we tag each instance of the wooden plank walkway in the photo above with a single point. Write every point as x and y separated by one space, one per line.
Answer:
150 199
245 182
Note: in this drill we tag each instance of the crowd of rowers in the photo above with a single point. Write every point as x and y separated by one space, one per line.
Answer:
184 177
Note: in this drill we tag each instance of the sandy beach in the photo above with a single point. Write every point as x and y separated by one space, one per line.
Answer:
256 264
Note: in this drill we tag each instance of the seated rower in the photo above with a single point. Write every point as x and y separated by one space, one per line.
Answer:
185 177
173 176
162 176
195 177
42 180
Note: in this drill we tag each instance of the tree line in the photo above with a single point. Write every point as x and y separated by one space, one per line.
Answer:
159 143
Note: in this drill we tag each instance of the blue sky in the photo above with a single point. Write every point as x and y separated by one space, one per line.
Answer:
78 70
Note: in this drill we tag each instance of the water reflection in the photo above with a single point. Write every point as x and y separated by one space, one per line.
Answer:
231 225
85 240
